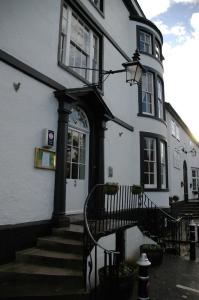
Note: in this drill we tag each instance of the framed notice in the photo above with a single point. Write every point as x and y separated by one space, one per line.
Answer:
45 159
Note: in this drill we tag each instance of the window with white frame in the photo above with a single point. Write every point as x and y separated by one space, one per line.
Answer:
154 162
79 45
148 93
176 159
145 42
175 130
163 164
195 179
150 163
160 98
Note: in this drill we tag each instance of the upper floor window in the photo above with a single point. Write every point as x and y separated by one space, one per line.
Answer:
195 179
148 93
176 159
149 43
175 131
145 42
79 45
151 95
160 98
153 161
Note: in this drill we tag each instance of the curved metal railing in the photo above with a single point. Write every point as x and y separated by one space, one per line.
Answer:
108 210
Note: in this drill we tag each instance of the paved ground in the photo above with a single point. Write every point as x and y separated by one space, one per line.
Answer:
176 279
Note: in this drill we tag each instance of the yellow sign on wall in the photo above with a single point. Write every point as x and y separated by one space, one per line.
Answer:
45 159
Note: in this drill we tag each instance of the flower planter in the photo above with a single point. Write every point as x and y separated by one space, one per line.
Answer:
154 253
136 189
111 188
119 287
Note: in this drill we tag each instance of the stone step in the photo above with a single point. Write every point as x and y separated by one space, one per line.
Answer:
25 272
72 232
39 291
50 258
60 244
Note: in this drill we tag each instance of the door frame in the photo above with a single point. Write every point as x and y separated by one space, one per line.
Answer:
185 181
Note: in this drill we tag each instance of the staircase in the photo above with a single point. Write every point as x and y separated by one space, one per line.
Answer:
183 208
51 270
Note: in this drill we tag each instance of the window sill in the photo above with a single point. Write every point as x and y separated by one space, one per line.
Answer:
152 117
156 190
98 10
152 56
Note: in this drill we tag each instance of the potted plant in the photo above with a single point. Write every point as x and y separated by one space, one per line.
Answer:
173 199
154 253
120 282
111 188
136 189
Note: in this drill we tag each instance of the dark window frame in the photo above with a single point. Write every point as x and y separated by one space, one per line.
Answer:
95 30
154 39
158 138
156 76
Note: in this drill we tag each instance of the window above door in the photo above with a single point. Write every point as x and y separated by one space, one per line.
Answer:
79 47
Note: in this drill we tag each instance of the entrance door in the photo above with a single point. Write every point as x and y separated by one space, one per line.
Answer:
77 162
185 179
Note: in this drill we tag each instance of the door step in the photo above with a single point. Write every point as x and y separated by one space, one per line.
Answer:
52 270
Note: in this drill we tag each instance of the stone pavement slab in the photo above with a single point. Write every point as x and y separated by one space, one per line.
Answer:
176 279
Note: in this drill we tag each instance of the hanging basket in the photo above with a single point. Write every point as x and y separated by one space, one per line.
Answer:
136 189
111 188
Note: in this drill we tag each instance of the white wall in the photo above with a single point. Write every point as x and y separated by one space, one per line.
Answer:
26 193
176 174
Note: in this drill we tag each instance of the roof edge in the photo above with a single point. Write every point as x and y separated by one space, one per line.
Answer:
176 116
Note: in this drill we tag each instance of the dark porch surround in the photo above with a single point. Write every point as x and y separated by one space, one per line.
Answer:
90 100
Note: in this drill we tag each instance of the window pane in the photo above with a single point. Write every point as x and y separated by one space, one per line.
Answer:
82 156
74 171
68 154
75 139
81 171
82 140
74 155
69 137
145 42
147 93
68 170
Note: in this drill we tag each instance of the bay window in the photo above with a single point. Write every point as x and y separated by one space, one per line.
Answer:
147 93
163 164
151 95
153 161
160 98
150 163
145 42
79 46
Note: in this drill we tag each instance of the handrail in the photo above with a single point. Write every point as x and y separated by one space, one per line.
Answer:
87 225
160 209
108 211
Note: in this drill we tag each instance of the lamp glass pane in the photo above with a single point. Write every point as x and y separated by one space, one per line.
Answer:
133 72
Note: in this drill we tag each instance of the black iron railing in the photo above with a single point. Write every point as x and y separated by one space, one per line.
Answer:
109 209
